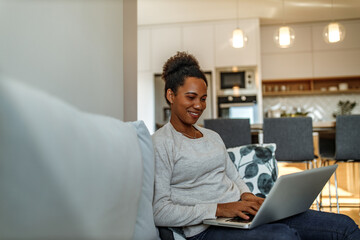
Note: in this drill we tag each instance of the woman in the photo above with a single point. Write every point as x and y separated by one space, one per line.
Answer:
196 180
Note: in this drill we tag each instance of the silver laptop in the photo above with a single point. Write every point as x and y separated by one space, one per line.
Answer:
291 194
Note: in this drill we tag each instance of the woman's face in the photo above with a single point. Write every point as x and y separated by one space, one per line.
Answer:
189 102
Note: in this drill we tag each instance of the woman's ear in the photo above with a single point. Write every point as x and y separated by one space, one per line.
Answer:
170 95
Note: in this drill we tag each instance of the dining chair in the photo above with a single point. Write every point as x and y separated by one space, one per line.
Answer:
293 138
234 132
347 149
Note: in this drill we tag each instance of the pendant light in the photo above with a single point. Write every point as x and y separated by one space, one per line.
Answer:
239 38
334 32
284 36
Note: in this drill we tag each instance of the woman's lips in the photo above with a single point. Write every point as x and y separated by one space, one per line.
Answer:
194 114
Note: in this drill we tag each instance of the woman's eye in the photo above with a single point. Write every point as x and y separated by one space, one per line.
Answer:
191 97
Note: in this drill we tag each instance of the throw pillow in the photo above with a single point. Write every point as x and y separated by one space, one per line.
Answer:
257 165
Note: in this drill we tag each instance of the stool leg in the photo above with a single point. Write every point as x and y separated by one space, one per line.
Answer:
337 196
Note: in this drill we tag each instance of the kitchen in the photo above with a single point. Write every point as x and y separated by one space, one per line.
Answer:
312 77
309 59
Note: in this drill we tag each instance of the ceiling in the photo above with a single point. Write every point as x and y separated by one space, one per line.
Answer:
268 11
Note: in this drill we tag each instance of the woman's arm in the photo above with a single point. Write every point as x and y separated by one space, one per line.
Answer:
167 213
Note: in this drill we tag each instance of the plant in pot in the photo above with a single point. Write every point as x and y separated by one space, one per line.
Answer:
344 108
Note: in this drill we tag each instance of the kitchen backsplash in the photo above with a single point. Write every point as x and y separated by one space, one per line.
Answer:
320 108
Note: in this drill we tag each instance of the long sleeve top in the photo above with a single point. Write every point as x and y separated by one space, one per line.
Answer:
191 177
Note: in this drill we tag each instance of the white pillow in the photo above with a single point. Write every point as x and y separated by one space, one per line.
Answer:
257 165
64 174
145 225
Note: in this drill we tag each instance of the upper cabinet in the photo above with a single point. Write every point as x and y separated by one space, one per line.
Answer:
198 39
311 56
144 50
165 42
209 42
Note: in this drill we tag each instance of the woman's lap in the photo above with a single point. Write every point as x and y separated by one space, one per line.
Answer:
308 225
268 231
323 225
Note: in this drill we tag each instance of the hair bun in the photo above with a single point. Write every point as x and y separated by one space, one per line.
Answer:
179 61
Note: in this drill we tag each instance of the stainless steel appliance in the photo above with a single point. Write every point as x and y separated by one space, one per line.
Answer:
244 106
236 81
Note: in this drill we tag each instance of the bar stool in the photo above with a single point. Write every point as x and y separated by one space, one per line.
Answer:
293 138
347 147
234 132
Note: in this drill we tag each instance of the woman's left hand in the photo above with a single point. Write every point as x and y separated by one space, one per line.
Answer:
251 198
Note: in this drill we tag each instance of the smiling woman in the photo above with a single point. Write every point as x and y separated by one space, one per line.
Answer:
186 92
196 180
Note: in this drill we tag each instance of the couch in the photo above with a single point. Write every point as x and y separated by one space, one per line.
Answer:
68 174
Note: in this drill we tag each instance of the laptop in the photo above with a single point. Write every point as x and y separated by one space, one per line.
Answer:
291 194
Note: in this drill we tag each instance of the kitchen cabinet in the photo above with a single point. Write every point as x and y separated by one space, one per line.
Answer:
165 42
198 39
311 86
144 50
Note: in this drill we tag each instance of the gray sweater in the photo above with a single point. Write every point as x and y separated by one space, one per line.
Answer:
191 177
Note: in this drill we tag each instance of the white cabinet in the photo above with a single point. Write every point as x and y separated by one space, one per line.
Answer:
336 63
311 56
199 40
284 63
165 42
226 55
285 66
144 50
339 59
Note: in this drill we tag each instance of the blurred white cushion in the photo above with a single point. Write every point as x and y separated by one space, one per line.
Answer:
145 225
64 174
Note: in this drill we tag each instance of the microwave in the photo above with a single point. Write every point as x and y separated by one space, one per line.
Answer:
241 81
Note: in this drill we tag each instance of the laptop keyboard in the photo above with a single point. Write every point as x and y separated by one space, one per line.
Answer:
241 220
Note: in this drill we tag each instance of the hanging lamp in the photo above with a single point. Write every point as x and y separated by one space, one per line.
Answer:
239 39
284 36
333 32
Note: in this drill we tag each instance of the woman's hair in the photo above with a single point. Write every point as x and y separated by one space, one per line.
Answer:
179 67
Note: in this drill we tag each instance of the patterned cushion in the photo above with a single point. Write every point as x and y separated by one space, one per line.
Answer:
257 165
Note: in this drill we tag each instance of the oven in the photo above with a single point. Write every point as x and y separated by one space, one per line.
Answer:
244 106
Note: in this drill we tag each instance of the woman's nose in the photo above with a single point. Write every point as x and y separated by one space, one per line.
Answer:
198 105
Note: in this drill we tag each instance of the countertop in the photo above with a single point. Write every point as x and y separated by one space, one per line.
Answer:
316 125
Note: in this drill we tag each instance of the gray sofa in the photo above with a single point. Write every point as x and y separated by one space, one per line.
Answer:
67 174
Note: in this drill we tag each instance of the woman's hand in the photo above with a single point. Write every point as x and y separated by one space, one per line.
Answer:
237 209
249 203
252 198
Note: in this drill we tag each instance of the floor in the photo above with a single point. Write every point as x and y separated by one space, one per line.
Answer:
348 188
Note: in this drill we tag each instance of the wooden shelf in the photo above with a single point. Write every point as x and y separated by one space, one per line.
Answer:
313 86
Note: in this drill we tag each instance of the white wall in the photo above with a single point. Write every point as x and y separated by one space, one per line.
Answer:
71 49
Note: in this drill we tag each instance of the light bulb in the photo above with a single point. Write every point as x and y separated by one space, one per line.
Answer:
239 39
284 37
334 32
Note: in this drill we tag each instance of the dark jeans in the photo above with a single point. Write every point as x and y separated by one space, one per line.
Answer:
308 225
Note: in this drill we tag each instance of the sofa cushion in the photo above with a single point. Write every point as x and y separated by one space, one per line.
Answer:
145 225
64 174
257 165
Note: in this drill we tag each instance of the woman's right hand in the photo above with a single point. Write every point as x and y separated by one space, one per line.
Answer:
237 209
